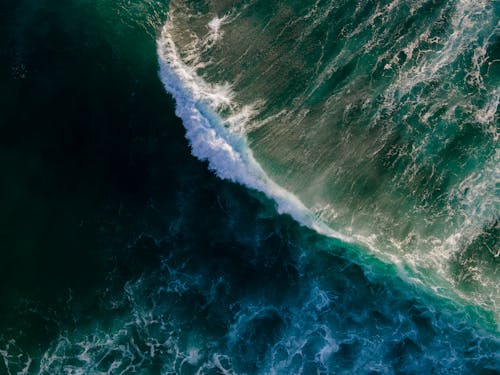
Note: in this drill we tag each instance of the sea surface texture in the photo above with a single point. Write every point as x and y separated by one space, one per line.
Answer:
250 187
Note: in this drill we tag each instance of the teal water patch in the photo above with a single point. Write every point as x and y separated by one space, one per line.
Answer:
377 121
247 291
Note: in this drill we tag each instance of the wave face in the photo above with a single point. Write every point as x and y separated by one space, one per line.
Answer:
374 122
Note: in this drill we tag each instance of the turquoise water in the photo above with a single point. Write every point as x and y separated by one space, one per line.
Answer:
250 187
381 117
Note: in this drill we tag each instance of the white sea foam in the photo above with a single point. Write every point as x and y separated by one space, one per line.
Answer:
215 27
467 21
225 150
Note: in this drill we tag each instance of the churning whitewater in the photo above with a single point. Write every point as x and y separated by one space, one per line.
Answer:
374 123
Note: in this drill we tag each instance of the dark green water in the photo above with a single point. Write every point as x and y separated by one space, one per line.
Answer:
122 253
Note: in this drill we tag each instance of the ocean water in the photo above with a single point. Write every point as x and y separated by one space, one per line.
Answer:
250 187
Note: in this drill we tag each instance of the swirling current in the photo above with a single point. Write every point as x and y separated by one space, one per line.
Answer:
250 187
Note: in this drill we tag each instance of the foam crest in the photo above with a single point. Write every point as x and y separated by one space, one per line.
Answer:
226 151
